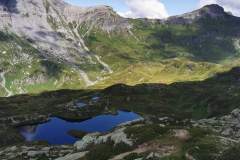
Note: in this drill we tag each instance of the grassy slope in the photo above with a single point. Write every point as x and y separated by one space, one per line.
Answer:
152 53
215 96
167 53
26 71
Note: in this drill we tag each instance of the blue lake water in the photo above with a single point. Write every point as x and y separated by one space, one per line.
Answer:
55 130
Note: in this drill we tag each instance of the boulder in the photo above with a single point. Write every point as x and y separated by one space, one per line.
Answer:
117 136
227 132
181 134
236 113
75 156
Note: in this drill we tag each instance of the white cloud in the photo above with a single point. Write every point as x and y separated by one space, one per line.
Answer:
232 6
207 2
145 9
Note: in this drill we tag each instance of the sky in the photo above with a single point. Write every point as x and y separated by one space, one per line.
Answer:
158 8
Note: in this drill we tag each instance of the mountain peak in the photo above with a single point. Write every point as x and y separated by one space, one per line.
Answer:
103 17
100 10
102 7
212 10
208 11
213 7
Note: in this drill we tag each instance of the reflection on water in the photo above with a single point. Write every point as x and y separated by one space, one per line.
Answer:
29 132
56 130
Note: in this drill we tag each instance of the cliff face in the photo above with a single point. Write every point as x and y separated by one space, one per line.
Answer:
102 17
51 34
46 24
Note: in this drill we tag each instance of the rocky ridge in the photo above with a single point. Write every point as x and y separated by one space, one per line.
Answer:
117 136
46 24
210 11
55 32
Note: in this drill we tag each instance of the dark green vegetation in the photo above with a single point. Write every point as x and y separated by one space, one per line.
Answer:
231 154
77 134
207 39
106 150
203 144
57 103
156 51
215 96
145 133
33 109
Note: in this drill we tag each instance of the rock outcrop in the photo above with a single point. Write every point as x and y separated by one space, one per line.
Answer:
40 152
117 136
228 126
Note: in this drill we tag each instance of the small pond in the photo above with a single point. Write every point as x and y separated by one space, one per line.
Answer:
56 130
